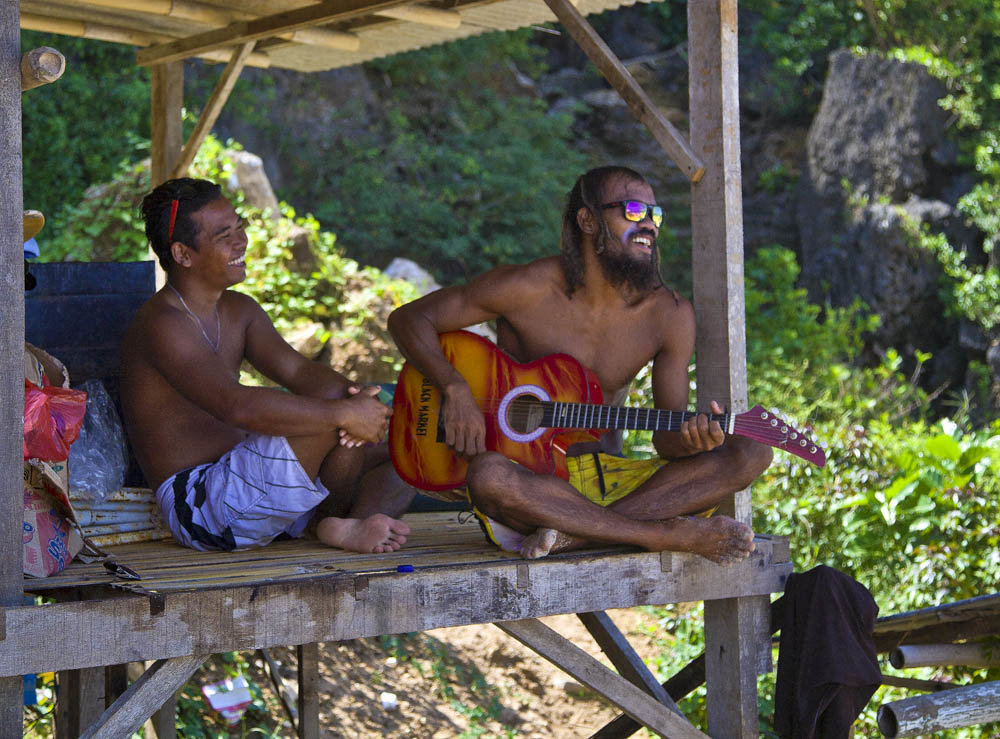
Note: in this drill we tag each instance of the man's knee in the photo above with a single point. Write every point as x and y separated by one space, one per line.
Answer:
749 458
493 482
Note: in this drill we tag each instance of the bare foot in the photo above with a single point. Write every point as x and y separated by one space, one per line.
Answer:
721 539
539 543
376 534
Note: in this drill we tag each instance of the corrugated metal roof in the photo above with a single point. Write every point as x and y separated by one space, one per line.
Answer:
362 37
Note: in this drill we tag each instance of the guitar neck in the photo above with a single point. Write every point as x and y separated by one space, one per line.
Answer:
586 416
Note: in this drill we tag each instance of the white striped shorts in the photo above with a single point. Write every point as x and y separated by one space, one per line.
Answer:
254 493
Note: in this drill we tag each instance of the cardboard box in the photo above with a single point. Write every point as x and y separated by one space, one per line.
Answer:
51 536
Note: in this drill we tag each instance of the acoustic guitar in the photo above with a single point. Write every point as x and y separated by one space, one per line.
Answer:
534 412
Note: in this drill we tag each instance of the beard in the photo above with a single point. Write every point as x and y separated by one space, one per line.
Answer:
621 268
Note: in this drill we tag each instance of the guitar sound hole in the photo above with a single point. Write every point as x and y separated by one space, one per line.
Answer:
524 414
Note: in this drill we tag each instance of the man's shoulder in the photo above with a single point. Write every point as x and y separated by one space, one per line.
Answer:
541 274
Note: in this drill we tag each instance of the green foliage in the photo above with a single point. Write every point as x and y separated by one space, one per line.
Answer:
467 181
77 130
798 36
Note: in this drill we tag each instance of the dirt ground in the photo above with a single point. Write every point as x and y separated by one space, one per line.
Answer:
469 681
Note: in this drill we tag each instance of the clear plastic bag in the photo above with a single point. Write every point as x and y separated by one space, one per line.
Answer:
98 459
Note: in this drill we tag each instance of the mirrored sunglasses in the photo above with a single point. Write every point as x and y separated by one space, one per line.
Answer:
636 211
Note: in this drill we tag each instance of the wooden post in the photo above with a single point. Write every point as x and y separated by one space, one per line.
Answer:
11 348
166 135
308 699
969 705
734 628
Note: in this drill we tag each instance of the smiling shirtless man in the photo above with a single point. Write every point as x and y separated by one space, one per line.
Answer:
603 302
235 466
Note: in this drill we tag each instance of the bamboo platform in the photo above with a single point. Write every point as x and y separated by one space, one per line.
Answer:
296 592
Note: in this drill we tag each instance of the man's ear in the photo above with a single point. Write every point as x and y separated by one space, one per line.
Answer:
181 254
585 220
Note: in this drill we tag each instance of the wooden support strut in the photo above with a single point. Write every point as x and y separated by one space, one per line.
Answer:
935 655
156 686
40 67
642 107
589 671
212 108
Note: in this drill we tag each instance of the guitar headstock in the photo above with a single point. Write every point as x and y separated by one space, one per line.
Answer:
762 425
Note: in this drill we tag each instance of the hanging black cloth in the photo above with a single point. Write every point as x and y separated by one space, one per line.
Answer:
827 664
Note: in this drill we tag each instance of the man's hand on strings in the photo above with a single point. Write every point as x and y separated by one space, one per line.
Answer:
701 435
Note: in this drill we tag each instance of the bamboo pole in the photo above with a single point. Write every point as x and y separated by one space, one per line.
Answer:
116 35
212 15
950 709
40 67
935 655
425 16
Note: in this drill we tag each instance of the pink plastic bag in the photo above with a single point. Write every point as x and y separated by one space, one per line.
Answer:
52 419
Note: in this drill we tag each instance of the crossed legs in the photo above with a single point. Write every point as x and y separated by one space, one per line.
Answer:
554 517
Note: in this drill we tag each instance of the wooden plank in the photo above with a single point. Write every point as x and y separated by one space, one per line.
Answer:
346 606
11 343
308 699
213 107
642 107
41 66
629 665
589 671
328 11
157 684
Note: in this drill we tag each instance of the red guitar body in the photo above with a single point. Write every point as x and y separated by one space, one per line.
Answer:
427 463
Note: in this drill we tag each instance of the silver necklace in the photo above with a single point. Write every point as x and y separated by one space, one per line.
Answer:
218 323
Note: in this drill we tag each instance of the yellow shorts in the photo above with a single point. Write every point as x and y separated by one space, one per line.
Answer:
601 478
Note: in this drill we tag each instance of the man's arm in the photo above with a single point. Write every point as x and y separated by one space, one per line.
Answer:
670 391
204 379
415 327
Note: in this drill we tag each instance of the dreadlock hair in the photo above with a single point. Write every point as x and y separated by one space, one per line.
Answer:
191 196
588 192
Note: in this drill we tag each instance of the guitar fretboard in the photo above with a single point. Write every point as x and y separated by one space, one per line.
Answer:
585 416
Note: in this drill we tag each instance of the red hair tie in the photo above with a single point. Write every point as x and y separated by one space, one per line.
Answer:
173 218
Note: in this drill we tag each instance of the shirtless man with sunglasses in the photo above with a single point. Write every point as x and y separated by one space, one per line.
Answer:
601 300
235 466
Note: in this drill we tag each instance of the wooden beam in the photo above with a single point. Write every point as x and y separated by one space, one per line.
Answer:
969 705
118 35
11 348
242 31
642 107
40 67
624 658
210 113
157 684
308 698
346 606
567 656
425 16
